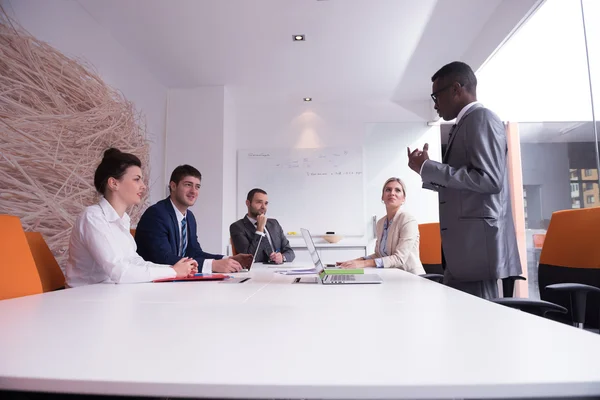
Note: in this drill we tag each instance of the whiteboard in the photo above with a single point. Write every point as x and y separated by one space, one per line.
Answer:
317 189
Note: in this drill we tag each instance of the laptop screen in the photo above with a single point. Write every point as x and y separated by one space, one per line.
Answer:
256 251
312 250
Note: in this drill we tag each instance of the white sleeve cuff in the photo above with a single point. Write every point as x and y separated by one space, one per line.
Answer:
207 266
159 273
422 165
260 233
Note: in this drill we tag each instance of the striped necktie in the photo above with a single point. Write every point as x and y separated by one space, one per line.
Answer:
183 237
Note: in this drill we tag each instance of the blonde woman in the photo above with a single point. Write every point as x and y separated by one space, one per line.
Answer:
397 244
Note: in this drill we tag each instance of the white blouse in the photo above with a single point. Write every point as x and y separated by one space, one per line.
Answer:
102 250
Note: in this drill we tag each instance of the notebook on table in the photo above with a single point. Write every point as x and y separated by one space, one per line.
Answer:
196 277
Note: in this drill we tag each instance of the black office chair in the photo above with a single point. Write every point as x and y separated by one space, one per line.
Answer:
508 285
569 270
535 307
569 267
439 278
578 294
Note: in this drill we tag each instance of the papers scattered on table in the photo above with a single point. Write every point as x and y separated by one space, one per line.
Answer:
297 271
298 267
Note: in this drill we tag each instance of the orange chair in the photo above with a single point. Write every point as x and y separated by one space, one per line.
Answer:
569 265
132 231
430 247
18 272
48 270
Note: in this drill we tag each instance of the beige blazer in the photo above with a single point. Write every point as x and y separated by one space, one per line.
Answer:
402 243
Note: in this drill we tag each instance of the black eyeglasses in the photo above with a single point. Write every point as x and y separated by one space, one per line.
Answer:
434 95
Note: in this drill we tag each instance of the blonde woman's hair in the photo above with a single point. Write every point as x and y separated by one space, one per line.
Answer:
394 179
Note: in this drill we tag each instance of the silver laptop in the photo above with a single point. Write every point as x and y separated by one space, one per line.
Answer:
334 279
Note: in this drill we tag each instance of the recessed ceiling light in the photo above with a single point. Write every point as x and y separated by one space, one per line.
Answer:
308 99
299 38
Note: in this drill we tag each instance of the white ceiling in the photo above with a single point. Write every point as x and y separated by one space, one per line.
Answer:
374 51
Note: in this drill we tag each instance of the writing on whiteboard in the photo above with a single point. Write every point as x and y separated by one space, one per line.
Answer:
259 155
320 163
337 173
305 179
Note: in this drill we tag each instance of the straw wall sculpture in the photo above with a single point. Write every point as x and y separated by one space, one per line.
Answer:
57 117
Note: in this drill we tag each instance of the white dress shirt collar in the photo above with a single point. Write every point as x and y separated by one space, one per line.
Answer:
178 213
110 214
206 267
251 219
464 110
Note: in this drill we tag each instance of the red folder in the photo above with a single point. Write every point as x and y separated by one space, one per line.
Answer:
197 277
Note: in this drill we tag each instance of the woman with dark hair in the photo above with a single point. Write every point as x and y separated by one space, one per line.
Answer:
397 244
101 249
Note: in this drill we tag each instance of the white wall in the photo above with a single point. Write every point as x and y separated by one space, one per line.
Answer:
229 166
328 125
313 124
69 28
196 135
386 157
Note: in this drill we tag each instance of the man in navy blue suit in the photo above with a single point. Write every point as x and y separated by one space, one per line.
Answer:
167 230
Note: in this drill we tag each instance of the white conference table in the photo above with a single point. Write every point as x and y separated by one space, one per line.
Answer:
268 338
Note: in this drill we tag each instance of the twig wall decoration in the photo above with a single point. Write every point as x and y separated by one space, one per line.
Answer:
57 117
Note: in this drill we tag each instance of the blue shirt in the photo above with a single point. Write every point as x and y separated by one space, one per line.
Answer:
383 243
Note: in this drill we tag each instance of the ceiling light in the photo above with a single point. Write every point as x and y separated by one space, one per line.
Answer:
299 38
308 99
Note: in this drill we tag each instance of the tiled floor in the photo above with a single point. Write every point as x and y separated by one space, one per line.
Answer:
532 284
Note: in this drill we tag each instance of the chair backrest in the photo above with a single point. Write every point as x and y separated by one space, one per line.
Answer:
233 250
430 247
18 272
48 270
132 231
571 254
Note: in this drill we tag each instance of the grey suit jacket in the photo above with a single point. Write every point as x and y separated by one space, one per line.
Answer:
244 239
476 221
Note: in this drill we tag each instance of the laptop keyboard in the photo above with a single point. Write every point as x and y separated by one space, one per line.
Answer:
342 278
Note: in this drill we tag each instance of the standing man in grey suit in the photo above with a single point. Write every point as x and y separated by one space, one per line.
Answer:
479 244
246 233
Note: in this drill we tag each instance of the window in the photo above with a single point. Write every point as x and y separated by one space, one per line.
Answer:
589 199
555 148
